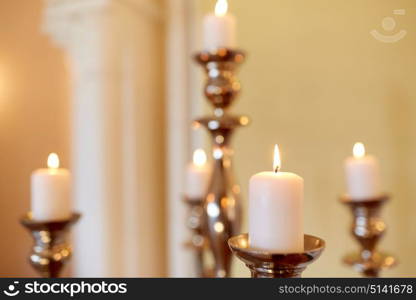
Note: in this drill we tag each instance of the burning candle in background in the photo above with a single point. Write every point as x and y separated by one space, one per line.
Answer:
197 176
51 192
363 175
220 28
276 210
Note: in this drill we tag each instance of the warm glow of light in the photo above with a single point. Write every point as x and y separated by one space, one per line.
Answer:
200 158
277 163
213 210
218 227
244 120
53 161
221 8
358 150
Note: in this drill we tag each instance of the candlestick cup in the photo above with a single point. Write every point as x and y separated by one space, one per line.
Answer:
51 249
263 264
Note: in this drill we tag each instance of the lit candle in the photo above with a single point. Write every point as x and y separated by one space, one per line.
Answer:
220 28
197 176
276 210
363 175
51 192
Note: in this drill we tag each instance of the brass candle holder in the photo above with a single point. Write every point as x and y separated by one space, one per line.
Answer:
368 228
51 250
198 242
263 264
222 205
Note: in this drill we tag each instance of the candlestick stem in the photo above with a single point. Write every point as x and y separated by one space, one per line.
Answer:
368 228
51 250
198 242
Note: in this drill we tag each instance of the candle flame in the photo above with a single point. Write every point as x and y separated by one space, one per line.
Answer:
221 8
277 163
358 150
53 161
199 158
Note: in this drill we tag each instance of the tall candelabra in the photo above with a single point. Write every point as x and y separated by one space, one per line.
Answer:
368 228
222 205
51 250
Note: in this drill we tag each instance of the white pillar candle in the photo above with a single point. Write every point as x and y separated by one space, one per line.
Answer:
363 175
220 28
276 211
197 176
51 189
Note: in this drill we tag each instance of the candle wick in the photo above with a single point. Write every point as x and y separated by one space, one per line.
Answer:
277 169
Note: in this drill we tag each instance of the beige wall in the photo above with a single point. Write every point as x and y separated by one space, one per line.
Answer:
316 82
33 120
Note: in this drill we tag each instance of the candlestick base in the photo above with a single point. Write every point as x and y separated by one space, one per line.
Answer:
371 264
264 264
368 228
51 250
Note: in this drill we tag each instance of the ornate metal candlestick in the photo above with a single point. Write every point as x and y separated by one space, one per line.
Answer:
222 206
272 265
51 250
198 242
368 228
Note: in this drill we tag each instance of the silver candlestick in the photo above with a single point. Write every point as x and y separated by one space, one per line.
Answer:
368 228
222 205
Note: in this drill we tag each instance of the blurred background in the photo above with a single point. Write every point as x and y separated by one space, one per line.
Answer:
111 87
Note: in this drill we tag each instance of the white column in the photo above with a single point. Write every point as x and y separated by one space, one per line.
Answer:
181 260
112 48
